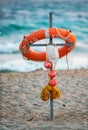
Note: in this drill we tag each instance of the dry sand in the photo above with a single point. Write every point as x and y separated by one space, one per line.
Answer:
22 108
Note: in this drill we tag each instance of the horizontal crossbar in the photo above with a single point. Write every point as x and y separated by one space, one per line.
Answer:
58 44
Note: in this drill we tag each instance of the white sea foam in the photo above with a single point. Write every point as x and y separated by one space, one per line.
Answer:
75 61
17 63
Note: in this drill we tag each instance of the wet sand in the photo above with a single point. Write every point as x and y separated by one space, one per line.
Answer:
22 109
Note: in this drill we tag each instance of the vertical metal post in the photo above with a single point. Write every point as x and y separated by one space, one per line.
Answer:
51 100
50 20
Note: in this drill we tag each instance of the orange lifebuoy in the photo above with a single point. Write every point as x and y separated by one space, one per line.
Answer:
28 53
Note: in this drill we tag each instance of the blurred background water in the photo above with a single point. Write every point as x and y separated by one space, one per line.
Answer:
19 18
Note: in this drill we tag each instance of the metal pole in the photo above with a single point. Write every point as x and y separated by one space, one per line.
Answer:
50 20
51 100
58 44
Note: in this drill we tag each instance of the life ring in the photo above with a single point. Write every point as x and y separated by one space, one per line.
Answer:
30 54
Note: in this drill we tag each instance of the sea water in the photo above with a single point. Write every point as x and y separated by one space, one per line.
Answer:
21 17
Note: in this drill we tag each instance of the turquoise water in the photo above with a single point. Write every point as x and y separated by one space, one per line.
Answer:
18 18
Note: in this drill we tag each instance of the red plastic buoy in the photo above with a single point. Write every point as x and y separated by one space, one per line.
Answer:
52 82
52 74
47 64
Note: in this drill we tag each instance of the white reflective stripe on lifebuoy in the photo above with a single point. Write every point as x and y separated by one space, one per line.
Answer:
47 33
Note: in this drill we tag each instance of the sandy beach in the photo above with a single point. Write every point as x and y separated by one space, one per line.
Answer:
22 108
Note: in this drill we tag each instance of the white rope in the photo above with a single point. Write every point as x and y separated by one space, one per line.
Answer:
61 35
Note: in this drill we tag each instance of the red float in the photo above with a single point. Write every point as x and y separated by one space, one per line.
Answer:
47 64
52 74
52 82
